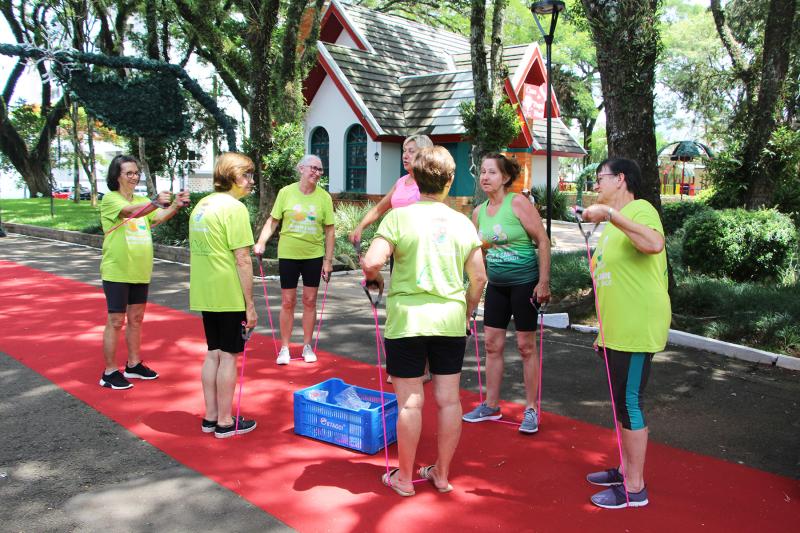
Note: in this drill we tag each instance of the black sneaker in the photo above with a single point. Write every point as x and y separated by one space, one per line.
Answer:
114 381
208 426
139 372
245 426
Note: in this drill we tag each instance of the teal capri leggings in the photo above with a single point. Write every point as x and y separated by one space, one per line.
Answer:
629 373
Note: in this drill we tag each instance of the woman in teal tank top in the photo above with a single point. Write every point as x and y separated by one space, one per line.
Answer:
507 222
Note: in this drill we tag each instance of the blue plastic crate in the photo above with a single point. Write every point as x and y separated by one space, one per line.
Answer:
360 429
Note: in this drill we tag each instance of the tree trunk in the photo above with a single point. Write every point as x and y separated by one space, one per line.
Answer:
627 40
150 183
260 110
76 146
92 170
774 67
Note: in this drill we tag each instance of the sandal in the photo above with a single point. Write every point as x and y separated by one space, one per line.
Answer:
425 473
386 479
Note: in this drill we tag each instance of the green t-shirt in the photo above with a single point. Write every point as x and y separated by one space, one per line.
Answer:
218 225
128 250
304 217
632 286
510 254
431 244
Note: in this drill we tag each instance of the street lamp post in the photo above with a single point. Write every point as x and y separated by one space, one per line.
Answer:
552 8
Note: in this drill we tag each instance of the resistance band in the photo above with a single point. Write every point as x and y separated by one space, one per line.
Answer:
586 234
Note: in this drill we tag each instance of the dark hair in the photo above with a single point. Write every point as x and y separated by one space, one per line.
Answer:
628 168
230 166
432 168
115 169
508 166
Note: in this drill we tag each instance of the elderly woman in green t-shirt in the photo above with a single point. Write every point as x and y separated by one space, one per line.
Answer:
127 265
426 312
305 248
629 266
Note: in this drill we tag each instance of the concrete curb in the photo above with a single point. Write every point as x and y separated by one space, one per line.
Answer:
690 340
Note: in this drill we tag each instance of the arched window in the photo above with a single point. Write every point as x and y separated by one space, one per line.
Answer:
320 147
356 171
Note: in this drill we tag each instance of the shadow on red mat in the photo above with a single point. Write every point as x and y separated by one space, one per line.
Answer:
503 481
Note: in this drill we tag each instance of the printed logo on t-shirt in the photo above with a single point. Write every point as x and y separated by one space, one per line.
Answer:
304 219
136 231
496 238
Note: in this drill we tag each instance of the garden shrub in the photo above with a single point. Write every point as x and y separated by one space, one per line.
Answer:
742 245
561 209
674 214
346 217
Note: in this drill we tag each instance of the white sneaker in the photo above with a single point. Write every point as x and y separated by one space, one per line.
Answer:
308 354
283 356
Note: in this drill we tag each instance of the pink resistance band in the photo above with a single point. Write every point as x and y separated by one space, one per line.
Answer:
381 347
266 298
586 236
322 311
245 336
541 358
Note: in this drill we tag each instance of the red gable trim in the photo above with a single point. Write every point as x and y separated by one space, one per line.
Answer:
537 61
330 30
525 138
348 98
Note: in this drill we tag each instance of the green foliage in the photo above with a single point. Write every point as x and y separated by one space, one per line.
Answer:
723 174
569 274
149 105
288 148
175 231
782 155
27 120
742 312
742 245
674 214
499 127
558 199
346 218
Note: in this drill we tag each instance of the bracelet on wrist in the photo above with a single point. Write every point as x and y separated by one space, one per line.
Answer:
610 212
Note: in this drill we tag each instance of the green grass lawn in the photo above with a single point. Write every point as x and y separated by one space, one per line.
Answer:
36 212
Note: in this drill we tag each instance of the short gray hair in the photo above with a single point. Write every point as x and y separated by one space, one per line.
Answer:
422 141
307 159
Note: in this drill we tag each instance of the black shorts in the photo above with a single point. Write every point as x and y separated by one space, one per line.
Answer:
629 374
406 357
120 295
502 302
224 330
290 271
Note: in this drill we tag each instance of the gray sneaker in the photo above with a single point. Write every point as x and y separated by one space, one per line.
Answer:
483 412
614 498
530 421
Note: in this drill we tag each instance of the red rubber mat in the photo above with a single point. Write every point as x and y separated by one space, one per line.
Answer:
503 481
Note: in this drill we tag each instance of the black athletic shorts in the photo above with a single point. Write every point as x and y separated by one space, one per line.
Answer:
224 330
406 357
502 302
120 295
629 374
290 271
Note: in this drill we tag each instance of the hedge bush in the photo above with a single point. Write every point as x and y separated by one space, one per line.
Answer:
742 245
674 214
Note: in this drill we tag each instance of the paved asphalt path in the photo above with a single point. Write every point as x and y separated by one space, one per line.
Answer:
65 467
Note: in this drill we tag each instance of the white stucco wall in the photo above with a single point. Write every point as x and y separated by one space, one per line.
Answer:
331 111
539 171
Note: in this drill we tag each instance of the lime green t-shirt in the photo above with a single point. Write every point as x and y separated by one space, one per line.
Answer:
510 254
632 286
304 217
431 244
218 225
128 250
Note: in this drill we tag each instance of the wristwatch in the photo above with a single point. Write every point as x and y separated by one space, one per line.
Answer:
610 212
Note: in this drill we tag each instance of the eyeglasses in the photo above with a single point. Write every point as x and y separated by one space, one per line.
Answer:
604 174
247 175
316 169
131 174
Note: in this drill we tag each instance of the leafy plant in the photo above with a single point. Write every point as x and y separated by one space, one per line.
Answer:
674 214
559 201
742 245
